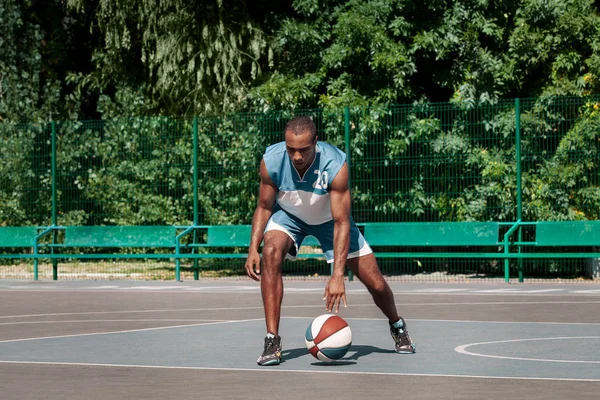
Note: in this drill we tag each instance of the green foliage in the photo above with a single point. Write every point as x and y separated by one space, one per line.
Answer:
184 57
422 161
20 65
230 154
562 183
125 172
68 59
398 51
437 162
24 176
425 162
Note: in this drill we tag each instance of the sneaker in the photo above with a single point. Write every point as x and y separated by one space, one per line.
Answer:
404 344
272 352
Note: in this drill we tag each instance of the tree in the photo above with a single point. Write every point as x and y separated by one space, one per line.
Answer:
179 56
333 53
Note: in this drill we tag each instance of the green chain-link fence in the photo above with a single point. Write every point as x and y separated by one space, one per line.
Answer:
426 162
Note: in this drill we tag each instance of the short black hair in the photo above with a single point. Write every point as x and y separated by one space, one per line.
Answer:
299 125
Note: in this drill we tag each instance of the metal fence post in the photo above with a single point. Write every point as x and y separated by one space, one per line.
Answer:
348 160
196 271
519 179
54 200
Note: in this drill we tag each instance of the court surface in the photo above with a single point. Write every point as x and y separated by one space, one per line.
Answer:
200 340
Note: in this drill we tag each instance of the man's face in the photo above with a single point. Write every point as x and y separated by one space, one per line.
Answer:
300 148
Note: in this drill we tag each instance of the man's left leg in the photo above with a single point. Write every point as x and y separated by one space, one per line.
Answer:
365 268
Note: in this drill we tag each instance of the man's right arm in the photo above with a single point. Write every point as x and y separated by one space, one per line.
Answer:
266 200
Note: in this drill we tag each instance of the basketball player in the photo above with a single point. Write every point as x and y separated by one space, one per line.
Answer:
304 191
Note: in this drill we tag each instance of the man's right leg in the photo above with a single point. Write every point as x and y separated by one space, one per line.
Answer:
276 245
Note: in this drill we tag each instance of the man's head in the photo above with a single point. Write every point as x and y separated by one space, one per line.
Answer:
301 140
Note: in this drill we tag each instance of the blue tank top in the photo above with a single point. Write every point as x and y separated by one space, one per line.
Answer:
305 197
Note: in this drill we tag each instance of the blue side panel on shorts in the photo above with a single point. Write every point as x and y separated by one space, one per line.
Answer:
298 230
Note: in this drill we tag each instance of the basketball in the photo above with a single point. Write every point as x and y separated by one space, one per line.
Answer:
328 338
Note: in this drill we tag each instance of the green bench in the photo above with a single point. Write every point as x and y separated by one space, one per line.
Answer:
567 233
487 235
552 235
84 238
489 239
18 236
118 236
223 237
472 234
433 234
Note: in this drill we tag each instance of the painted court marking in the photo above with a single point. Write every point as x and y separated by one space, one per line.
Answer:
463 350
130 330
300 371
297 307
460 349
80 321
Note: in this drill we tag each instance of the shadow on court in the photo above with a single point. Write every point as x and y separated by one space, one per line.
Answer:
355 352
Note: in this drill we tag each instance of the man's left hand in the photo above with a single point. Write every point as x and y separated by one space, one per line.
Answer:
335 293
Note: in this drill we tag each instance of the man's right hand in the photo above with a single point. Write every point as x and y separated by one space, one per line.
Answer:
253 265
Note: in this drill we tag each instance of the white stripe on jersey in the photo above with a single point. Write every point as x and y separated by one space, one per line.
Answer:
312 208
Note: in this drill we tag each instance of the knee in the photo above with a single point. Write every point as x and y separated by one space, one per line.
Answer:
271 256
378 287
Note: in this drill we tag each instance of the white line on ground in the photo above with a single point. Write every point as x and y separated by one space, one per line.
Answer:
98 287
466 321
277 370
110 320
127 331
256 290
441 290
216 322
450 304
586 291
519 291
463 350
156 287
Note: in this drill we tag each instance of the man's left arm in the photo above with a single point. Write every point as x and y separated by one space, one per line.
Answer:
339 195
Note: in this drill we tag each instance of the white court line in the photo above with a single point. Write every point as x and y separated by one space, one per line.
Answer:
216 322
152 311
156 287
417 292
518 291
262 319
465 321
440 290
357 292
586 291
302 306
99 287
541 291
462 350
300 371
292 317
129 331
108 320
